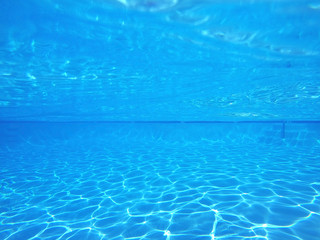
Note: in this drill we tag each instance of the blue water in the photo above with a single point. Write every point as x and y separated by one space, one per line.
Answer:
159 119
160 181
134 60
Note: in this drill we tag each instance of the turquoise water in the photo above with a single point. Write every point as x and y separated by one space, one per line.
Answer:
149 119
160 181
142 60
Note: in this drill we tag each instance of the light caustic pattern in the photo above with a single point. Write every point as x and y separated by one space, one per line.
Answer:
84 188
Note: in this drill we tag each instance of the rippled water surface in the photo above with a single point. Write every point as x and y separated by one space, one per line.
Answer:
155 181
159 60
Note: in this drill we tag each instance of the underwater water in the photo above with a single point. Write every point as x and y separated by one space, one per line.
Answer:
160 181
159 119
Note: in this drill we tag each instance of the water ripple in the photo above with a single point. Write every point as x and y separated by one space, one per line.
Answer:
86 188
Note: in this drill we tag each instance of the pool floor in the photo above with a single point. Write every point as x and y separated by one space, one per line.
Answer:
101 188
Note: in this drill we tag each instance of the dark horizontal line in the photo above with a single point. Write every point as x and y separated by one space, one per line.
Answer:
171 122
